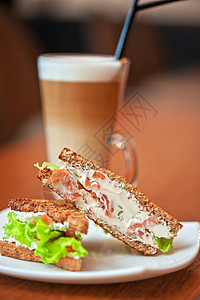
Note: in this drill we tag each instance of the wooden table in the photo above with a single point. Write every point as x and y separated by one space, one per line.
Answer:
169 173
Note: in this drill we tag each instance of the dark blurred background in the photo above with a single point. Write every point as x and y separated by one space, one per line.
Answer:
162 40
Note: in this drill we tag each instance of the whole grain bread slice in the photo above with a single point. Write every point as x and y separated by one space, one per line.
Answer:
58 211
23 253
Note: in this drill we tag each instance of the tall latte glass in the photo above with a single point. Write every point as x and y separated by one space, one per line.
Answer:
80 94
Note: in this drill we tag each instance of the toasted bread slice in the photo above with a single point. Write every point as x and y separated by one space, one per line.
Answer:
57 211
113 203
23 253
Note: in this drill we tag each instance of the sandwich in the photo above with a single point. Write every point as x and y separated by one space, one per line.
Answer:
48 231
111 202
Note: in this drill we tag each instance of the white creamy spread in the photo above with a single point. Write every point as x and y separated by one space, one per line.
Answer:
24 216
13 240
59 226
125 208
161 231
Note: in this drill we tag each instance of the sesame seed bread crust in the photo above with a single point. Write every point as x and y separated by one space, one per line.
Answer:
58 211
23 253
75 160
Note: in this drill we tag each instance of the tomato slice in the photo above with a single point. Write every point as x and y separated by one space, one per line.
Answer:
59 175
141 228
88 183
72 187
148 223
46 219
98 175
95 184
133 226
105 204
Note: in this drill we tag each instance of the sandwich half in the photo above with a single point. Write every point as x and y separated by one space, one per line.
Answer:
111 202
48 231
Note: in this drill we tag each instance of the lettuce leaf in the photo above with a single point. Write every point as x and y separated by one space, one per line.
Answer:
79 235
51 244
52 251
23 233
45 164
164 244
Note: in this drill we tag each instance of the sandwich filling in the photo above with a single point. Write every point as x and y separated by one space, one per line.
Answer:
37 232
95 193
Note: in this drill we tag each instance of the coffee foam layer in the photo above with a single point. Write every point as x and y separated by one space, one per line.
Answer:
80 68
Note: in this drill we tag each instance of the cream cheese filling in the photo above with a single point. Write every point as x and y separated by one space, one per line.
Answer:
24 216
126 210
13 240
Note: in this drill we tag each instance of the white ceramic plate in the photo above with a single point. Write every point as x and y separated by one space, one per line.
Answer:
109 260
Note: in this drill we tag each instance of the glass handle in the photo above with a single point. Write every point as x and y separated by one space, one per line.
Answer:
130 155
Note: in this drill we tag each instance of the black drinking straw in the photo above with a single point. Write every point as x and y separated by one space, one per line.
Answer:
125 29
129 19
155 3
